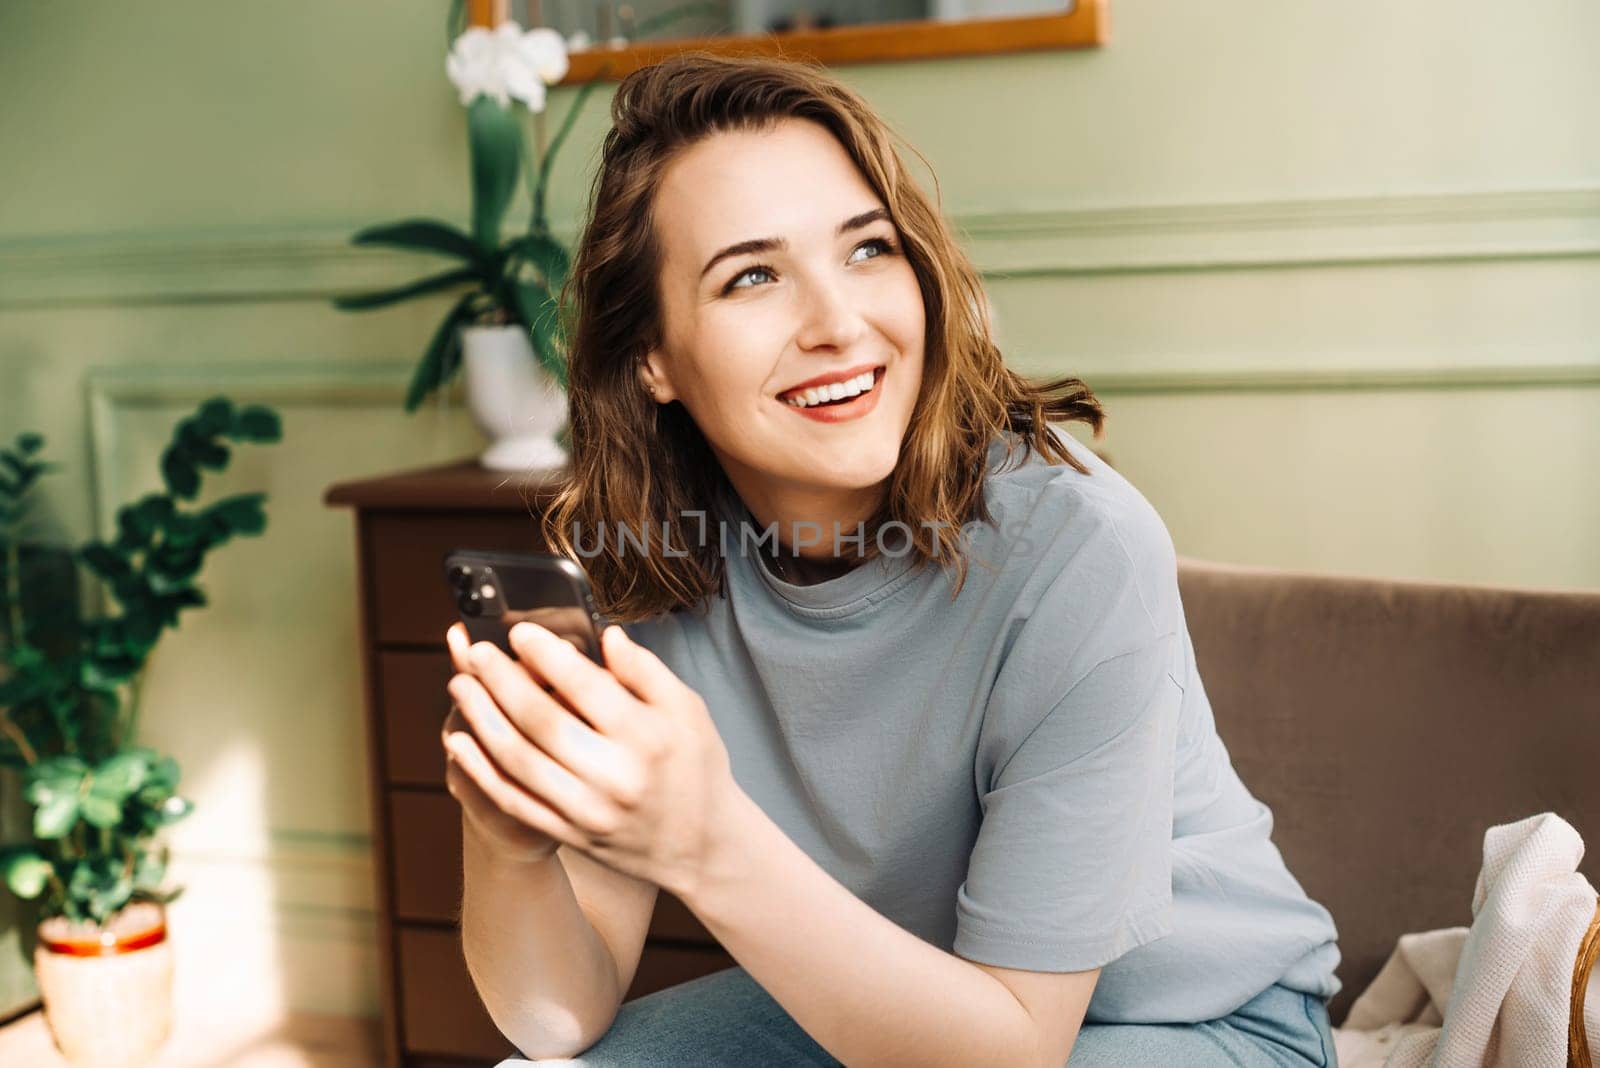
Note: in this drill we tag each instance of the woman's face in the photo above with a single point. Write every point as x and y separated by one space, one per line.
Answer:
744 327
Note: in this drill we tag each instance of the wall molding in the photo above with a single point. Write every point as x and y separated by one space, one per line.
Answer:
1031 240
1325 380
327 873
321 881
325 384
1324 231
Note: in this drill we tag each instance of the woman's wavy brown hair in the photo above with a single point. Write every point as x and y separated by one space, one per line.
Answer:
640 466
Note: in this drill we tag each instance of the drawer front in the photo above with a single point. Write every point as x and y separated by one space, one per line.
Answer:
440 1010
425 842
664 966
412 706
412 602
426 834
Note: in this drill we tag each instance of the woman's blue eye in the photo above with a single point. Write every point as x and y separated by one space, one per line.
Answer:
886 246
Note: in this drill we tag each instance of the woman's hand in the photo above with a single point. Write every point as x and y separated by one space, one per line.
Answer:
622 761
494 806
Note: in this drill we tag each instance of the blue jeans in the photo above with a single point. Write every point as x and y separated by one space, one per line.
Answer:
727 1018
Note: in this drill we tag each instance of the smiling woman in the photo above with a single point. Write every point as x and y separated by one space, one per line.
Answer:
753 241
940 815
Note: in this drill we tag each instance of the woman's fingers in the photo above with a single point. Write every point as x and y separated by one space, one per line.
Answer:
458 642
536 713
578 681
490 798
565 779
639 669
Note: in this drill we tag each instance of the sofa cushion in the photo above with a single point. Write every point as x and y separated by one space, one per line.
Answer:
1389 723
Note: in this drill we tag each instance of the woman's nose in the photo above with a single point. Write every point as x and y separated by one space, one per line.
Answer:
829 319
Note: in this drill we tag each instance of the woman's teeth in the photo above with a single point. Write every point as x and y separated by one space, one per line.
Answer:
850 387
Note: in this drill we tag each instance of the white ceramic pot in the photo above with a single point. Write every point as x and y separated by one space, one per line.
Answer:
107 991
513 399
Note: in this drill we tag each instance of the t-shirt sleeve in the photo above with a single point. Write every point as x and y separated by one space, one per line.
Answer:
1072 864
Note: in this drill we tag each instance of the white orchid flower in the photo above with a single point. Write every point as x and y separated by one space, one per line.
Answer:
505 62
546 49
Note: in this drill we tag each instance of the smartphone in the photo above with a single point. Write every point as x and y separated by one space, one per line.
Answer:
496 589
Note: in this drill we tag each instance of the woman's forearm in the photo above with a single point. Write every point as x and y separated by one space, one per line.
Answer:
867 990
543 972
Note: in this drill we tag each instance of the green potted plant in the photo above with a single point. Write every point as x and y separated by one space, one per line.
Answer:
69 687
504 327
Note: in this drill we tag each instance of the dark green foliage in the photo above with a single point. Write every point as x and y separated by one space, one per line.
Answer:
65 722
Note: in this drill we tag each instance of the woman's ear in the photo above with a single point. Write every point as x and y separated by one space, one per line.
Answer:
653 379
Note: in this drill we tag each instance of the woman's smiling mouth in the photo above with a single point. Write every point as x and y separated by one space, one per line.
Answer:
839 401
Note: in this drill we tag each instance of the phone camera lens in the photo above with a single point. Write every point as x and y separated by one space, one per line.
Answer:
458 573
469 603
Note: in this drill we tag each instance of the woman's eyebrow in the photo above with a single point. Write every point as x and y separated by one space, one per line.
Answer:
768 244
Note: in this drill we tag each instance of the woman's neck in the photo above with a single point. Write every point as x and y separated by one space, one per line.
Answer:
805 548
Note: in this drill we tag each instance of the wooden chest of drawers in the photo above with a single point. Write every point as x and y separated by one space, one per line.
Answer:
404 525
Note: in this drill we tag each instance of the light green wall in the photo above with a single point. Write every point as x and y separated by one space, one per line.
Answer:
1334 273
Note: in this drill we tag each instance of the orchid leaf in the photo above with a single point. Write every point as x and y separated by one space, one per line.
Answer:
421 287
439 361
537 308
421 235
495 139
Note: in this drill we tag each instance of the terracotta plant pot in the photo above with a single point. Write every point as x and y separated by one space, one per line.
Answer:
107 991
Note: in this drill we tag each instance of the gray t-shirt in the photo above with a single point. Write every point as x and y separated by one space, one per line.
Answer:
1028 776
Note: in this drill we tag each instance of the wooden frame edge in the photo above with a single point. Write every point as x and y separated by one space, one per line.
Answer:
1086 26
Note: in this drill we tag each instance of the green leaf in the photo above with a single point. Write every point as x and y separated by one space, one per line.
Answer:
54 818
440 357
161 781
139 522
106 674
548 255
25 871
30 443
179 474
100 811
56 776
495 139
99 887
214 416
538 220
422 235
104 560
183 530
149 868
257 423
431 284
240 514
211 454
537 308
120 775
